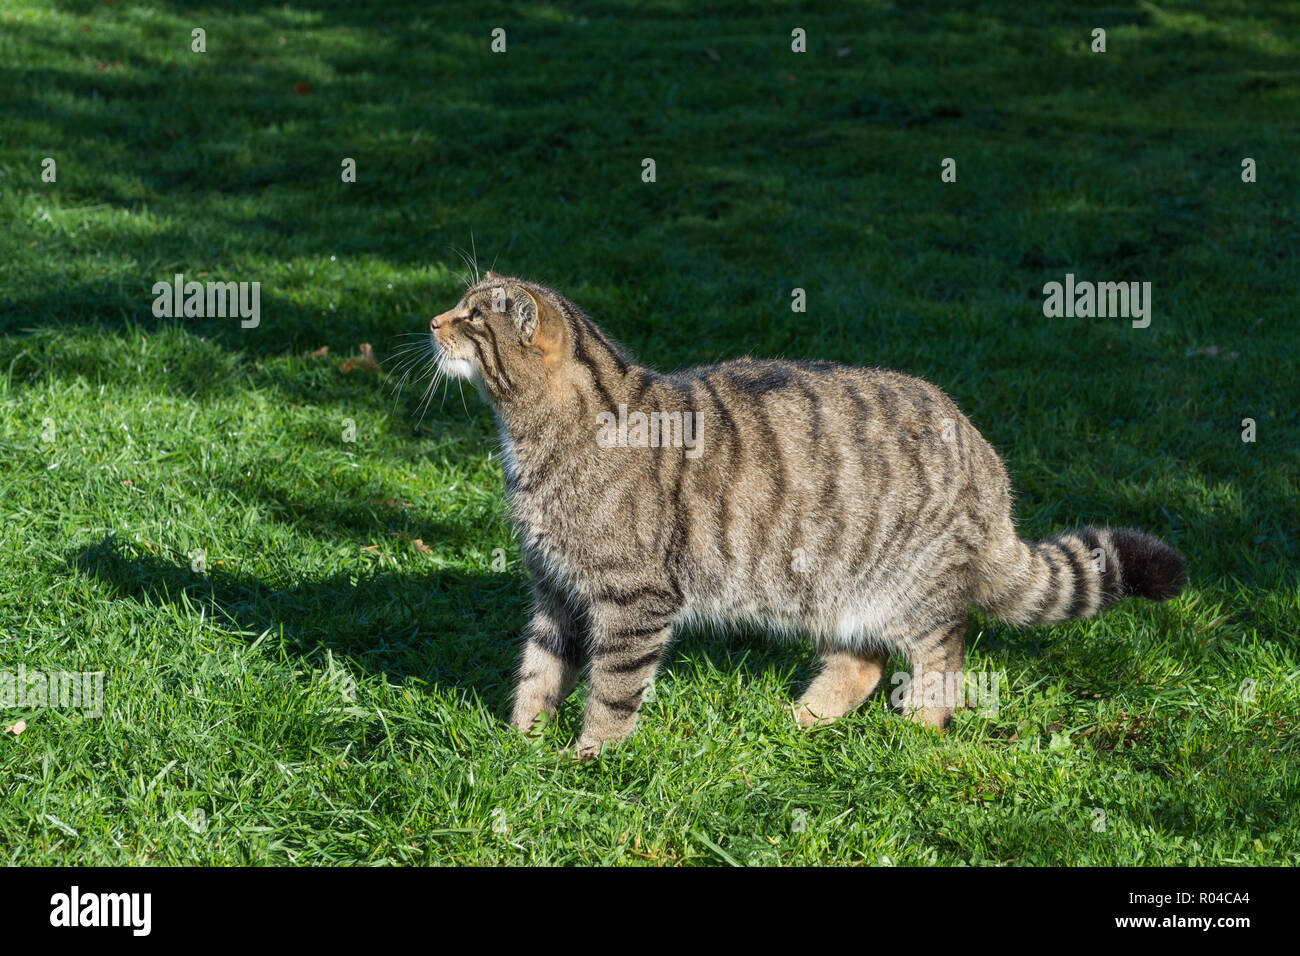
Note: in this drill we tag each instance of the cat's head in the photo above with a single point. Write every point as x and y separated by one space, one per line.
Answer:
503 336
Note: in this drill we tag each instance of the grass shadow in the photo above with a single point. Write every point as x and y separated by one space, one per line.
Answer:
402 624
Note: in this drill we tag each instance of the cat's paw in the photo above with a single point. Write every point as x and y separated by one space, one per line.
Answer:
936 719
806 718
587 748
531 726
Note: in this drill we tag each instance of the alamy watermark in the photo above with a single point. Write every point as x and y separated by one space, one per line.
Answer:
75 908
72 690
200 300
653 430
979 692
1086 300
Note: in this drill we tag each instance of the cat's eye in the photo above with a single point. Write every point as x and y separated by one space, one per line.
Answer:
476 316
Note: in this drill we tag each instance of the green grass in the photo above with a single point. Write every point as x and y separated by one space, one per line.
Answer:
330 692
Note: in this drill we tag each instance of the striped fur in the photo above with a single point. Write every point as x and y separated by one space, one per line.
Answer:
854 507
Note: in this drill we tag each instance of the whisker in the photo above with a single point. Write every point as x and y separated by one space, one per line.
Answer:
404 352
428 392
407 374
460 384
464 257
405 363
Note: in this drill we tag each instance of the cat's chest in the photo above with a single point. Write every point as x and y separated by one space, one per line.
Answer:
573 527
542 490
548 484
578 505
562 519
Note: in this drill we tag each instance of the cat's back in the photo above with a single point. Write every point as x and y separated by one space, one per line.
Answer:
787 393
802 430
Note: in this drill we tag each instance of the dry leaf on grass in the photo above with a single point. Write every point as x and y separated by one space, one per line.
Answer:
321 352
417 543
17 728
366 362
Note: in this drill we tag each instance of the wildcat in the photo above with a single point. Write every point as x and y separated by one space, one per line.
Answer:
855 507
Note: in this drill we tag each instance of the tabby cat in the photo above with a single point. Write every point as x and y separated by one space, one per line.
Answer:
855 507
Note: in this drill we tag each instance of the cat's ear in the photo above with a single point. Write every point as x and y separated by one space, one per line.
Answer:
538 323
528 314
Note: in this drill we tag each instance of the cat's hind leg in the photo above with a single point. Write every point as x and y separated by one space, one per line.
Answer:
846 679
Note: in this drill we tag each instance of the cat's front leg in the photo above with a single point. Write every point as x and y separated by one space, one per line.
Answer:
631 631
553 652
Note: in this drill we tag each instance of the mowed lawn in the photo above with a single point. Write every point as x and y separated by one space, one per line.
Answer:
329 685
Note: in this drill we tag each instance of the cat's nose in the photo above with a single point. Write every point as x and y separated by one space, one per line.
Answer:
437 320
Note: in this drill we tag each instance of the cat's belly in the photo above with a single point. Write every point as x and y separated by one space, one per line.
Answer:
867 616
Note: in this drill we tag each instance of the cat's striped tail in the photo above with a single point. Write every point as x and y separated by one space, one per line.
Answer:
1079 574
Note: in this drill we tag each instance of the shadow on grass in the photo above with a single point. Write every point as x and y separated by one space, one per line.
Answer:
447 628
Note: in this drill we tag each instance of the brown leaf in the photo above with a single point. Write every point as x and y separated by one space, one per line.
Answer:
366 362
317 353
302 87
422 547
17 728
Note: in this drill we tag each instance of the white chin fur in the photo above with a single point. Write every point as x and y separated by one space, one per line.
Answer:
459 368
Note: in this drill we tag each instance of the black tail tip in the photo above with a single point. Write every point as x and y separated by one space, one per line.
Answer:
1151 568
